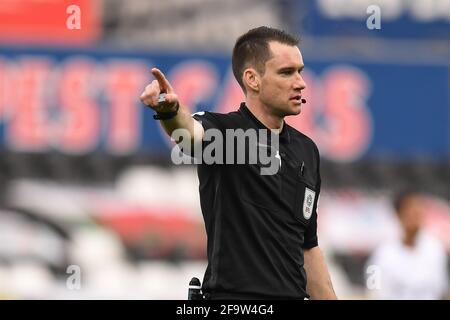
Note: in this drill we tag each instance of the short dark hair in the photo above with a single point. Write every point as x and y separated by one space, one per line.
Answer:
401 196
252 48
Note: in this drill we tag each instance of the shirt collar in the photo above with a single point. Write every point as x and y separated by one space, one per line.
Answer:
284 135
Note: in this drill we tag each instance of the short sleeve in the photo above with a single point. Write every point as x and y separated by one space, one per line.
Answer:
209 120
311 238
215 125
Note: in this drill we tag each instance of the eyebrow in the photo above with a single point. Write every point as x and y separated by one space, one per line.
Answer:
292 68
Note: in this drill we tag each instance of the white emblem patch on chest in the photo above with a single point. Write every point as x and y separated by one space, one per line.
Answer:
308 203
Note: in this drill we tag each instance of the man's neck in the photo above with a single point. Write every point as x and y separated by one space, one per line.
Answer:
409 239
262 113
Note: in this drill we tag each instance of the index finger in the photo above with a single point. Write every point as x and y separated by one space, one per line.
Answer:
163 83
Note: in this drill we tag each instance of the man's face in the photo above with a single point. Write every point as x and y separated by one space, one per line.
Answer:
411 214
282 82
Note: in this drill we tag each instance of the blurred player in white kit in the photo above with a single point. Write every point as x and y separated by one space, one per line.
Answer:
413 267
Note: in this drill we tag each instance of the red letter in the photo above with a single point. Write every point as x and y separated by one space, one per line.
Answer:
194 81
123 83
345 128
349 122
28 128
3 80
80 123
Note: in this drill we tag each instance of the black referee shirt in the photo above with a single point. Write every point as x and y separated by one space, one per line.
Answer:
258 225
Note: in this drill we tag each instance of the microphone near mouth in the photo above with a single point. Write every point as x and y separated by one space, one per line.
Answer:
299 98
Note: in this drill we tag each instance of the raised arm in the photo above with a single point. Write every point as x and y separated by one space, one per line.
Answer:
183 119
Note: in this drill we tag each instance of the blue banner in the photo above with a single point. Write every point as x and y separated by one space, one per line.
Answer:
80 101
396 19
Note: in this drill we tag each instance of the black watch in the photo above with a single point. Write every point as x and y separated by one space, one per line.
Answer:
166 115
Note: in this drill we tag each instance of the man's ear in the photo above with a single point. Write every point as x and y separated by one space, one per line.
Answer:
251 79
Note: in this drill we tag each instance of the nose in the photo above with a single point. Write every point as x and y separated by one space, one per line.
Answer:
300 83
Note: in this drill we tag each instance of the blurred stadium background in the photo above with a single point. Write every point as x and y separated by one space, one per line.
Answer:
85 173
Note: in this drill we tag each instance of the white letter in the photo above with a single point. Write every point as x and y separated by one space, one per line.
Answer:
241 135
273 157
374 21
374 280
74 281
181 152
74 20
423 11
215 147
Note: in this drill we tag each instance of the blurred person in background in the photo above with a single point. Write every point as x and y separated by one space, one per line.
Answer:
414 265
262 230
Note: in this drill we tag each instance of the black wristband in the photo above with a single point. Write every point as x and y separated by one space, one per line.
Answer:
166 115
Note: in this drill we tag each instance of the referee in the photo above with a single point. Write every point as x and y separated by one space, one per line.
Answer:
262 229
